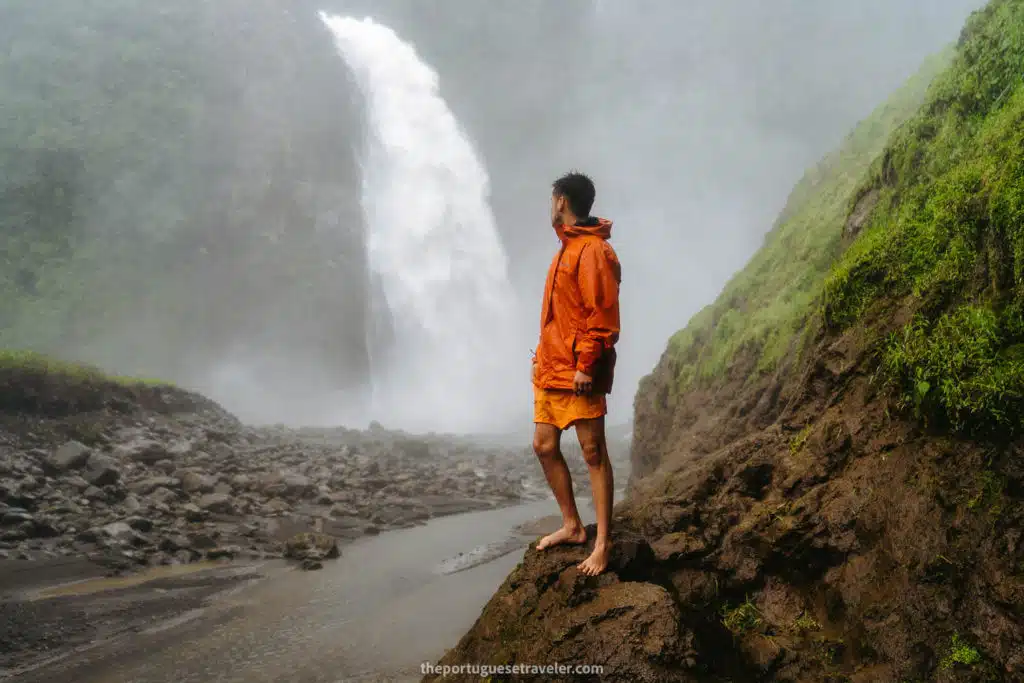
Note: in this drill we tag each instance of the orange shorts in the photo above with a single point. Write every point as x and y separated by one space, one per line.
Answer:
562 407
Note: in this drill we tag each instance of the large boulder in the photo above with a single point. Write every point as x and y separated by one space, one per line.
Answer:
71 455
548 611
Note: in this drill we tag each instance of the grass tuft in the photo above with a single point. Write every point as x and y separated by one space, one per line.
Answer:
37 363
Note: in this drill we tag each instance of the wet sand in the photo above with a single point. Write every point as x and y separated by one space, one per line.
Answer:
389 604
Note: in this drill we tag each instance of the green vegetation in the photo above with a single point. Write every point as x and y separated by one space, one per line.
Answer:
959 653
741 619
36 363
987 494
805 622
764 306
918 212
796 444
947 235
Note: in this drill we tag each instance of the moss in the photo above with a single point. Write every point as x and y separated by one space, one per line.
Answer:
763 309
796 444
36 363
987 494
947 234
960 653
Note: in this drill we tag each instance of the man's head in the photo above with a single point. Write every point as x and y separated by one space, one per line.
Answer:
572 197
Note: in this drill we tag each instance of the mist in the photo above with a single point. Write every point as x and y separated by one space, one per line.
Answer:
216 236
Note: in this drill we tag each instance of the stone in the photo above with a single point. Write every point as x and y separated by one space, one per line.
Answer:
195 482
143 451
163 496
276 506
225 553
147 486
71 455
15 516
174 543
194 514
216 502
140 524
102 470
311 544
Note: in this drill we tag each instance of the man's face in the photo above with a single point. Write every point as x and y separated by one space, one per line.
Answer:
557 203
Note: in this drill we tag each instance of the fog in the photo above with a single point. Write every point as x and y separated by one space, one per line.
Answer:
694 120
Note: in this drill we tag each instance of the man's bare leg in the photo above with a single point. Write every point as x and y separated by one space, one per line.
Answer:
546 442
595 452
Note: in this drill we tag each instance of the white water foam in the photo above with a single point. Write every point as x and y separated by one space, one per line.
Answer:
433 243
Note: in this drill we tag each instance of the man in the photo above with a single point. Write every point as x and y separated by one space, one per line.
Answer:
575 360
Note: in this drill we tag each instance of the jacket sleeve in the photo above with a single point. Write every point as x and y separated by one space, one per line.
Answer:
598 276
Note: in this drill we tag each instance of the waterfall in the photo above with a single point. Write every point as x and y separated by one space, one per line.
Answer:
432 246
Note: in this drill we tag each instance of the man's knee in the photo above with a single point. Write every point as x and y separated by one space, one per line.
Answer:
593 454
592 443
545 445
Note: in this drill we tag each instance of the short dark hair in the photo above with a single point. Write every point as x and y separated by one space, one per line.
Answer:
578 190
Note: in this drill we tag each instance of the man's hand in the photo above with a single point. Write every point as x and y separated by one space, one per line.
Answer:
582 384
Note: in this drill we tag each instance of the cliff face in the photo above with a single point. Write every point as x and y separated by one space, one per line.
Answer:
827 472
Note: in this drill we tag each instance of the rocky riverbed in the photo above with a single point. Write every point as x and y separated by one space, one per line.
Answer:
141 487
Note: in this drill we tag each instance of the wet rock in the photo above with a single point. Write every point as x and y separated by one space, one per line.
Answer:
94 493
147 486
131 504
175 543
216 502
547 611
287 486
276 507
15 516
140 524
195 482
225 553
311 545
122 533
143 451
202 541
163 496
76 483
193 513
45 528
71 455
102 470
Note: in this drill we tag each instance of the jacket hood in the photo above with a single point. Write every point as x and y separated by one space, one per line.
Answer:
598 227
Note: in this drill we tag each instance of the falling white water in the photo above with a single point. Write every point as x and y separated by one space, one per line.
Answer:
433 246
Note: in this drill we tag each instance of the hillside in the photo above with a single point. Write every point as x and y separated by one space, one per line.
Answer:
827 477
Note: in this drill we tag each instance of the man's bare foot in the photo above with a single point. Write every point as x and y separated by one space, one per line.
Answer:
567 535
598 560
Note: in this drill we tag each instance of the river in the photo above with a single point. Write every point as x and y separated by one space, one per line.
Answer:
389 604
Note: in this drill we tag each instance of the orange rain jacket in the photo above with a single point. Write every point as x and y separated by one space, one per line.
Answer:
579 319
